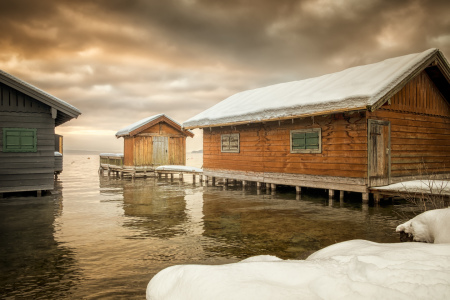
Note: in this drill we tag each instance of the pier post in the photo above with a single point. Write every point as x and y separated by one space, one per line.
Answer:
213 181
244 183
193 178
273 187
341 196
376 198
298 190
225 181
365 197
330 193
258 185
180 176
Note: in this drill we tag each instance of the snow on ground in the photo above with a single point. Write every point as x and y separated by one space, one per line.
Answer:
419 186
354 269
176 168
432 226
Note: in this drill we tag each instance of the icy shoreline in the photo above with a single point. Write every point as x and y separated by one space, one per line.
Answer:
356 269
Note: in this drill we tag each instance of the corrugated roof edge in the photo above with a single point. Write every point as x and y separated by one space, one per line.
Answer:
39 94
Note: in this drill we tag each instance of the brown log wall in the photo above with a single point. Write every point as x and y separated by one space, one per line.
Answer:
266 147
420 144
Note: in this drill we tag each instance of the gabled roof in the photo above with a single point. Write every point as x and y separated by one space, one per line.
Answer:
66 111
146 123
358 88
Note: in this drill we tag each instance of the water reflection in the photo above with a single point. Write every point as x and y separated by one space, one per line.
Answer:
156 208
101 237
250 224
33 264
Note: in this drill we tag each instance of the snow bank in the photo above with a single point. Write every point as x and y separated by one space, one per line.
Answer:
432 226
355 269
419 186
176 168
350 270
351 89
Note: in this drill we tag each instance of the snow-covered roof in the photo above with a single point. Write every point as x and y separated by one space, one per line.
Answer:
65 110
131 128
357 88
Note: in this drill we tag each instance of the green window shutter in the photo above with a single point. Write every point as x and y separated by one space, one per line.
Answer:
298 141
19 140
312 140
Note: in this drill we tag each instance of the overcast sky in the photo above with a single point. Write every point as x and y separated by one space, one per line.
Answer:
120 61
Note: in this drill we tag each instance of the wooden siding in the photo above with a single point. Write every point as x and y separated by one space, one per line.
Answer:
266 147
15 101
420 129
417 142
139 149
420 95
26 171
177 151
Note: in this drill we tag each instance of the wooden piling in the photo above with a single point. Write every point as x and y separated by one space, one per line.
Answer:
365 197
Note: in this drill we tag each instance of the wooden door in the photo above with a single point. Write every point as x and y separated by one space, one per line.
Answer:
160 150
379 146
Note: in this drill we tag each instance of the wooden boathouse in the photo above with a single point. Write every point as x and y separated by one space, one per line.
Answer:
30 151
353 130
149 143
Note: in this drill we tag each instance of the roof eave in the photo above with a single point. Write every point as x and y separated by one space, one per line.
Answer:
321 113
68 110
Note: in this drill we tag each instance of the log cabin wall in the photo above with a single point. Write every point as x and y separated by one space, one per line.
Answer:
266 147
420 129
26 171
138 149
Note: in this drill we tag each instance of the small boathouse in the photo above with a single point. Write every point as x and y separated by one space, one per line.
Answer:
30 151
353 130
151 142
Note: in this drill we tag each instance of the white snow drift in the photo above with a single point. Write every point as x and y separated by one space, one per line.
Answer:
355 269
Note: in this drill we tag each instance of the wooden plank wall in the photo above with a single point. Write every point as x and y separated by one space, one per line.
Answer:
138 150
266 147
420 129
177 151
421 96
28 171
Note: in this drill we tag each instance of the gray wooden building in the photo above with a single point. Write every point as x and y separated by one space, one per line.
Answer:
28 144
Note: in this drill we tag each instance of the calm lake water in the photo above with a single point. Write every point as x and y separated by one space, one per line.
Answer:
105 238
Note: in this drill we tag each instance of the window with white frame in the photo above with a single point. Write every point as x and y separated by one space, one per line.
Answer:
306 140
230 143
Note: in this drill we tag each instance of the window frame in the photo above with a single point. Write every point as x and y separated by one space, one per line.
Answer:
229 135
308 130
21 130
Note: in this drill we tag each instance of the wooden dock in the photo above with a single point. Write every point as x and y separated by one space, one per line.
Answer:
112 163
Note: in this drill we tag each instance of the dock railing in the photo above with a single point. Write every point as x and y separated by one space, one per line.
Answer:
111 160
